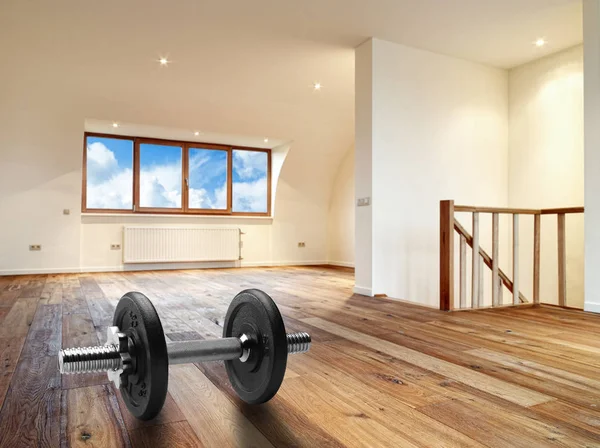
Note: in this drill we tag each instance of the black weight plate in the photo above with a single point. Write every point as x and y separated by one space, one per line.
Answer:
254 313
146 388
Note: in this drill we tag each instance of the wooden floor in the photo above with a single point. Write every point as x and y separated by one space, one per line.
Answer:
380 372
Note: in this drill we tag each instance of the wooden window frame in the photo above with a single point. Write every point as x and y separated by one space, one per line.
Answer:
268 151
185 148
137 207
84 208
209 211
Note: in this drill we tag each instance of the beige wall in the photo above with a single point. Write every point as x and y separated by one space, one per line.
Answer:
439 131
546 163
543 168
341 215
67 65
591 37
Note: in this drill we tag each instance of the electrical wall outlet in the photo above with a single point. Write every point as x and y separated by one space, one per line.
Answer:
35 247
115 247
362 202
301 244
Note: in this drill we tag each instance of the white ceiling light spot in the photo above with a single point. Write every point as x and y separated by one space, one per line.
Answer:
115 125
317 86
197 133
540 42
266 140
163 62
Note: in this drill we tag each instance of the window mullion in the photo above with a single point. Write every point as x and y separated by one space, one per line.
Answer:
185 192
230 180
136 174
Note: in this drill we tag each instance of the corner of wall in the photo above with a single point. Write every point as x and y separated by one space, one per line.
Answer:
340 219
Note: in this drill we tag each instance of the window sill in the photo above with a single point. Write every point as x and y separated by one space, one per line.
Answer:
128 217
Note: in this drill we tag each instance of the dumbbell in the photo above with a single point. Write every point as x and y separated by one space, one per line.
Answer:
136 356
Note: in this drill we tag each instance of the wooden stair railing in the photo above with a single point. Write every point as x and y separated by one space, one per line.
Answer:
487 260
449 224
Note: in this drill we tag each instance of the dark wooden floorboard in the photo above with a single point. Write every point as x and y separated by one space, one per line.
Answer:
380 372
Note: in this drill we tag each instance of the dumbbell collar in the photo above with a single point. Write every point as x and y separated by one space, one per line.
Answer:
124 346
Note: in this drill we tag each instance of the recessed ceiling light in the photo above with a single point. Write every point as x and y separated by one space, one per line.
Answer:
317 86
115 125
163 61
266 140
540 42
197 133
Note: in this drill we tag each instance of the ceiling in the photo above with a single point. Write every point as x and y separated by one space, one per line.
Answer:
494 32
246 67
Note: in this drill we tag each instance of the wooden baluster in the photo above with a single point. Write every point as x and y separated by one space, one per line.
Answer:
500 292
515 259
496 285
562 261
446 255
536 258
475 263
481 271
463 272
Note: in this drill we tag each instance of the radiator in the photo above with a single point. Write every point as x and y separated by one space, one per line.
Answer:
180 244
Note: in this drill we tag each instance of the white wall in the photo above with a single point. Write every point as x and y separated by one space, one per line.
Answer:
341 215
71 61
99 231
591 38
439 131
546 164
363 168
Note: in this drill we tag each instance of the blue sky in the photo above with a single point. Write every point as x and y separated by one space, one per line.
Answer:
110 176
160 176
249 181
109 173
208 174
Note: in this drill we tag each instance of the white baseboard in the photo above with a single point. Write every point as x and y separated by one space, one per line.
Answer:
592 307
345 264
252 264
363 291
160 266
40 271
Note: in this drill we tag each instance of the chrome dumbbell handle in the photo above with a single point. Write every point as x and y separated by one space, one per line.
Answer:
109 357
227 348
202 351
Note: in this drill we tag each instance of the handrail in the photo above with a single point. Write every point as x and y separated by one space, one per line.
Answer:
512 211
559 211
518 211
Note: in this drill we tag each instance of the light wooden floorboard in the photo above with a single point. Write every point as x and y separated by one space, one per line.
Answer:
381 373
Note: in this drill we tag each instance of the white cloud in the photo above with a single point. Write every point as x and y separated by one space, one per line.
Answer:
108 185
221 196
101 163
160 186
200 198
115 192
249 164
250 196
197 160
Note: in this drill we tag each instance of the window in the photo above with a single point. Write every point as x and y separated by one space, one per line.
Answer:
140 175
108 173
250 181
161 176
208 179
